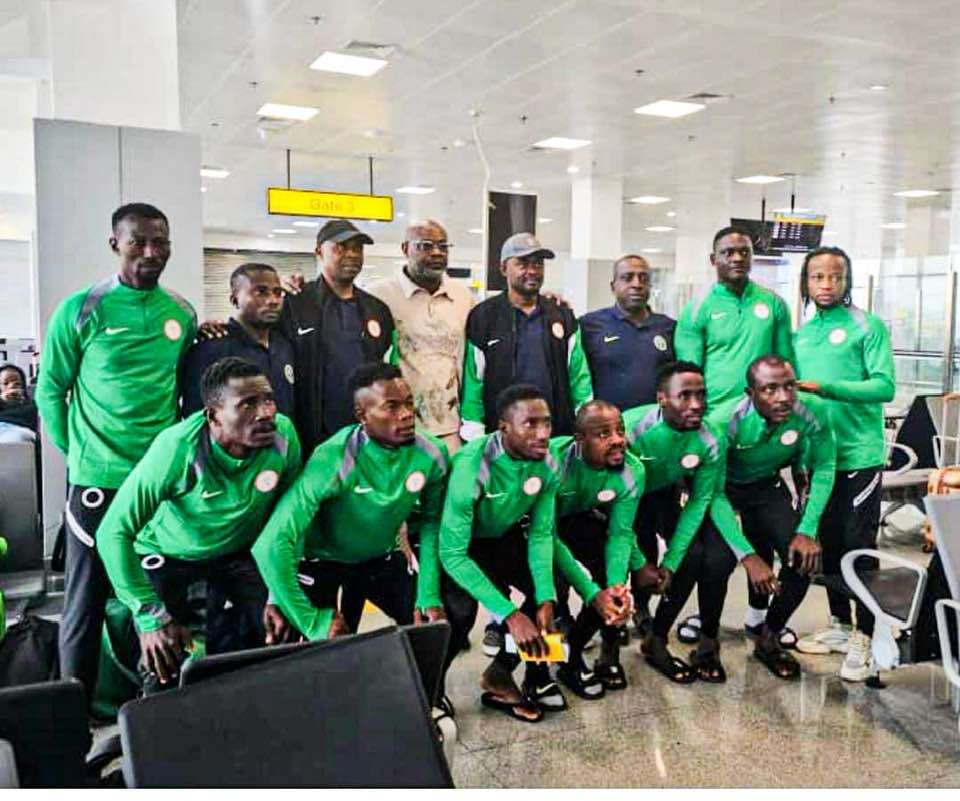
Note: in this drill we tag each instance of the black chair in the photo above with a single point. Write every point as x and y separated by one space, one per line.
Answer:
47 726
347 713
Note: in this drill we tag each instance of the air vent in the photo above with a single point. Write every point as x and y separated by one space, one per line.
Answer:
708 97
377 49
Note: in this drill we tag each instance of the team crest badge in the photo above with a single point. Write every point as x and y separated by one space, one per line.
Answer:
267 480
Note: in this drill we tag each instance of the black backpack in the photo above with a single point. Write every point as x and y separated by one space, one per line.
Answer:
28 652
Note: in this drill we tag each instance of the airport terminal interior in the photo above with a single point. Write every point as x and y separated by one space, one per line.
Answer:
479 394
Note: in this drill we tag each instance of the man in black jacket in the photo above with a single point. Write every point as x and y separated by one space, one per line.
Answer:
520 336
334 326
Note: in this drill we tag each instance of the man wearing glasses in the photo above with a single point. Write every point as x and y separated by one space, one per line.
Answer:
521 336
334 326
430 311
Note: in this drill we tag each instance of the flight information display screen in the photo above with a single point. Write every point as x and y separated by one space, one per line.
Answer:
795 232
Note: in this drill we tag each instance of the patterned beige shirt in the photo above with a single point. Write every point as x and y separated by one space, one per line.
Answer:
431 332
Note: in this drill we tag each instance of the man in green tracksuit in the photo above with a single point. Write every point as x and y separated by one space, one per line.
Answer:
676 445
736 322
337 527
600 486
844 356
769 430
190 511
107 387
497 532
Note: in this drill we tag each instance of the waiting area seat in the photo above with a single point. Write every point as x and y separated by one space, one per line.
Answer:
22 569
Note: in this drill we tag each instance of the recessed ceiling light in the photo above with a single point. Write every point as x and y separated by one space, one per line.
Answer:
544 220
660 229
796 210
573 169
344 64
203 189
671 214
916 193
284 230
878 87
281 111
306 224
648 200
894 226
653 250
415 190
474 230
214 172
458 143
759 179
561 143
517 184
400 214
669 108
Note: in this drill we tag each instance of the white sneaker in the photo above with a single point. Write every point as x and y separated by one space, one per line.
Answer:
832 639
858 663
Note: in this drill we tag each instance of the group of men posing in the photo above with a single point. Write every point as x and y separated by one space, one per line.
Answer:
405 446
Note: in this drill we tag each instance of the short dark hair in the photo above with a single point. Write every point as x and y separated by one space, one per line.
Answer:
623 258
11 366
770 359
826 251
368 373
670 369
143 211
731 229
216 377
246 271
591 406
514 394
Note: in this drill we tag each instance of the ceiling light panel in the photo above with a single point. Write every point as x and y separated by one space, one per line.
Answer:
561 143
911 193
660 229
415 190
670 109
648 200
281 111
360 66
759 179
214 172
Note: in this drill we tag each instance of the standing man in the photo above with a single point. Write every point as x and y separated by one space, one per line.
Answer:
844 356
769 430
735 323
334 326
520 336
252 334
627 343
190 511
107 387
430 311
676 445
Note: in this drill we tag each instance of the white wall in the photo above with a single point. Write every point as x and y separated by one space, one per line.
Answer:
17 319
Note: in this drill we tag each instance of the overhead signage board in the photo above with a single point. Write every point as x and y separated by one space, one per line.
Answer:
307 203
796 232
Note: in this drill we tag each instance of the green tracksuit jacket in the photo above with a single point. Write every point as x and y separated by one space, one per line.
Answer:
490 491
190 499
847 352
757 451
108 376
723 333
347 506
614 492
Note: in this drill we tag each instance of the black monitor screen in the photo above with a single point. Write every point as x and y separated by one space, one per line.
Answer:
760 233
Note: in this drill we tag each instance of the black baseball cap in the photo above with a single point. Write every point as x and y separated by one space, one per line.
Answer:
341 231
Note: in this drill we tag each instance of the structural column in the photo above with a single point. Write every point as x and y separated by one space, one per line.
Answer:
596 237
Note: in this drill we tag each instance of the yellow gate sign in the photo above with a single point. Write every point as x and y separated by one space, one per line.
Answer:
307 203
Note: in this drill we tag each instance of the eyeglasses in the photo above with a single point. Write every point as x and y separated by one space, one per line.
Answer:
427 245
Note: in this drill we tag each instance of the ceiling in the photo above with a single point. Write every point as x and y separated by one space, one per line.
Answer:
794 81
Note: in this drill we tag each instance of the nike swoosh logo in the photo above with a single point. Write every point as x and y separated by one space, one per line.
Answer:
717 315
611 339
362 490
206 494
302 331
494 494
646 458
111 331
492 342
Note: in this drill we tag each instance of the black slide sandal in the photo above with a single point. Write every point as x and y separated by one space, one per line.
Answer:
779 662
670 666
708 666
612 676
491 701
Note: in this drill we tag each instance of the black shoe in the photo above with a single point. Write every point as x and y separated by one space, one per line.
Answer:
582 681
492 639
623 636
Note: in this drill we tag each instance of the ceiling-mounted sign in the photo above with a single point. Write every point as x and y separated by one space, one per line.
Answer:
796 232
307 203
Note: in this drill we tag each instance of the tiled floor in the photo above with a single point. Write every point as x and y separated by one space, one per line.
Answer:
754 731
